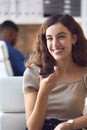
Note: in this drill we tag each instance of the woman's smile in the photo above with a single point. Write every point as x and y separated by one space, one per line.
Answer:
57 51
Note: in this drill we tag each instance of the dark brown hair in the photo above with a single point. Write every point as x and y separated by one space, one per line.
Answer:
40 54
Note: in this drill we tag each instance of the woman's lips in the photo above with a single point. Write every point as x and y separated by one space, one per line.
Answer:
57 51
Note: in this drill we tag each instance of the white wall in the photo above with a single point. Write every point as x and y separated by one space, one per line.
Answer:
31 12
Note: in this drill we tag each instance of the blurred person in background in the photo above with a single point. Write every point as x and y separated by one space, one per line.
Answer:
9 33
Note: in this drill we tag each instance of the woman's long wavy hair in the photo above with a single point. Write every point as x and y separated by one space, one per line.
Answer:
40 54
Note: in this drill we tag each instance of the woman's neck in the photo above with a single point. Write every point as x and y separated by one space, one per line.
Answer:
69 72
67 66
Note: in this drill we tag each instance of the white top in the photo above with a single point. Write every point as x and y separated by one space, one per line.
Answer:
66 100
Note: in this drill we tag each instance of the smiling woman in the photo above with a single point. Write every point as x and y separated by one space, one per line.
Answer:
60 41
61 47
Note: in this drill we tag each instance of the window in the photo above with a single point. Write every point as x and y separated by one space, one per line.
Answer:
72 7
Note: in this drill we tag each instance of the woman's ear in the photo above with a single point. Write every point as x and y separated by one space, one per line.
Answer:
74 37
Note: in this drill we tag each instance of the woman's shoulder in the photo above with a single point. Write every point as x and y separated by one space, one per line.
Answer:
31 78
32 70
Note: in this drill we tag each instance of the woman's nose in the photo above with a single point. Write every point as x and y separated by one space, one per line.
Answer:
55 42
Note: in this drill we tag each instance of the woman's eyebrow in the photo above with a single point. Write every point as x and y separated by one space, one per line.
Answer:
58 33
49 35
61 33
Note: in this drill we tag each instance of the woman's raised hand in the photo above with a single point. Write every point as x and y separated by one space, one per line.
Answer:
47 82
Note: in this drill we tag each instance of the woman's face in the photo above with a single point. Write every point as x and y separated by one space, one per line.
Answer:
59 41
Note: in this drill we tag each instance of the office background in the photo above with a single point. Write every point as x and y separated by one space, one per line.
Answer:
29 14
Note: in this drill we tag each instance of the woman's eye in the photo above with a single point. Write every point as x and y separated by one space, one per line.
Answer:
49 38
62 36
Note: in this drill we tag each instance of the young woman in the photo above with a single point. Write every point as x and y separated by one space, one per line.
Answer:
55 80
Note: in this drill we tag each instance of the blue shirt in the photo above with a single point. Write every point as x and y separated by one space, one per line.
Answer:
16 59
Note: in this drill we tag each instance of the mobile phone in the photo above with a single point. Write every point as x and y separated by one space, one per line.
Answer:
47 71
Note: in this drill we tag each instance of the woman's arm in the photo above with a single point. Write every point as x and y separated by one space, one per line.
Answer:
36 102
35 108
80 122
